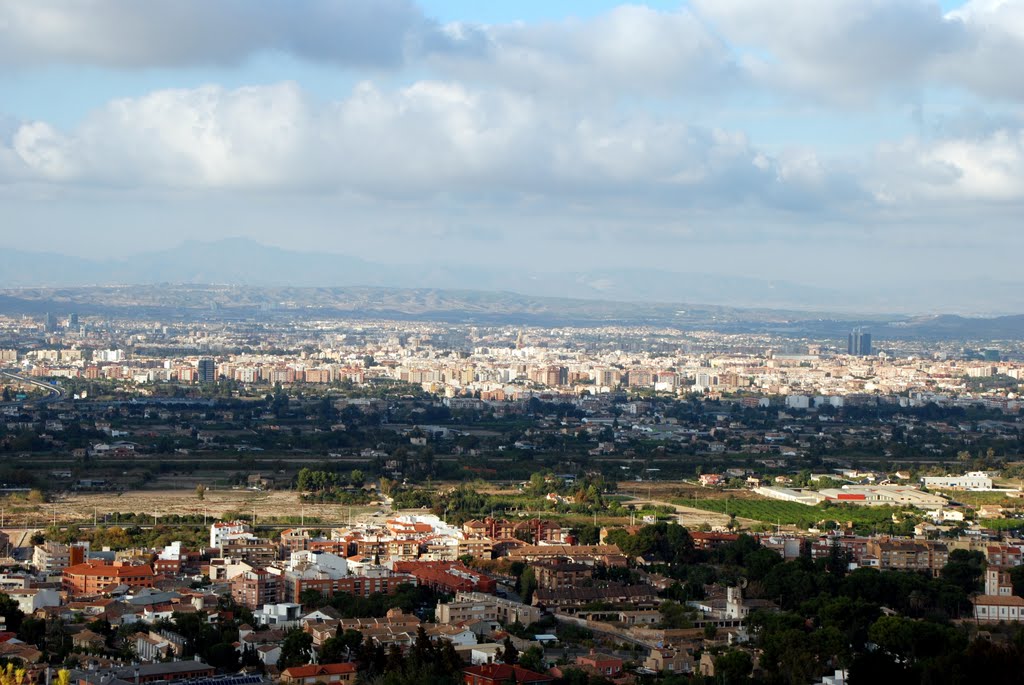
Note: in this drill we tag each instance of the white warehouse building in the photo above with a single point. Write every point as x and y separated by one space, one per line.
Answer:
974 480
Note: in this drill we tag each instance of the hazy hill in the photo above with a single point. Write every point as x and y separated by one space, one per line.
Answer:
244 262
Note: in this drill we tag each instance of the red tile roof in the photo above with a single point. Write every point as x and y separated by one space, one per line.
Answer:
313 670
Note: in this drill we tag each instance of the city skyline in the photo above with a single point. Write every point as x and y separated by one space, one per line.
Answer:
816 143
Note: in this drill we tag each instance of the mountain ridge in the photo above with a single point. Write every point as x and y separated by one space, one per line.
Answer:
242 261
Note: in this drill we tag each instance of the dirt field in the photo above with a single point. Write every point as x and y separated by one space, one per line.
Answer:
274 505
82 507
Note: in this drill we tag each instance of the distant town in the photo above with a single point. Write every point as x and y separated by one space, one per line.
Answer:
339 500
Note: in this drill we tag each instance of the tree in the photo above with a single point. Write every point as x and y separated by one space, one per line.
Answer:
1017 579
965 569
311 598
527 584
733 666
11 610
200 492
674 615
509 653
296 650
340 647
533 659
223 656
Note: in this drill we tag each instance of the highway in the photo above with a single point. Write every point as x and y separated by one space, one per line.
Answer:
56 392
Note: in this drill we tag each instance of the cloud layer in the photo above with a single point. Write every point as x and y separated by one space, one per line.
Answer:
434 137
721 121
174 33
840 50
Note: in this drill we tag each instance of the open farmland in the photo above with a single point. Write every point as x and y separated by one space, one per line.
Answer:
794 513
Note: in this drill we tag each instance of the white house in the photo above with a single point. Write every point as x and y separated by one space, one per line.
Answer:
31 599
999 608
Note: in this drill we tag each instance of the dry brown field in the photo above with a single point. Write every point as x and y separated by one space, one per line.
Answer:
83 507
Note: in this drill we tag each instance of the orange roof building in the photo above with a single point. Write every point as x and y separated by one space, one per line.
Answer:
319 673
96 577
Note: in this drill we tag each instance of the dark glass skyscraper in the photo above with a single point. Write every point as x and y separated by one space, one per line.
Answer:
859 343
207 371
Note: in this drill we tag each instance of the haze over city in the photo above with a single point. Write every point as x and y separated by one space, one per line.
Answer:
864 149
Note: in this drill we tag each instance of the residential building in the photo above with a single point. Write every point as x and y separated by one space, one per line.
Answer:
667 659
1009 609
906 555
562 574
53 557
604 665
448 577
327 674
478 606
503 674
256 587
251 549
96 577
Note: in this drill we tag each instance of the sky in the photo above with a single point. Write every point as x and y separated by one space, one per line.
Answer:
829 142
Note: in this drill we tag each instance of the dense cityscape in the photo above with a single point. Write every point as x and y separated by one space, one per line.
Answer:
341 500
432 342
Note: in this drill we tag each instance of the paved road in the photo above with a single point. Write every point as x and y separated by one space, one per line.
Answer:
56 392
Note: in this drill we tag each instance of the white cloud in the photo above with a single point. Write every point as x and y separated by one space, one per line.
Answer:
429 138
161 33
435 139
851 51
989 62
629 49
961 171
837 50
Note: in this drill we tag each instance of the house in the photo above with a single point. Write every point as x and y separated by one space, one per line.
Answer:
152 647
13 649
999 608
669 660
599 664
265 643
321 631
280 615
328 674
500 674
32 599
457 635
707 665
88 640
479 654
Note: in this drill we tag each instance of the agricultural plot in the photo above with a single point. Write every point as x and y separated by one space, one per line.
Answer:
794 513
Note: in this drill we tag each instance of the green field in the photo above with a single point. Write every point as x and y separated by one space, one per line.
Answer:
977 499
1002 524
796 514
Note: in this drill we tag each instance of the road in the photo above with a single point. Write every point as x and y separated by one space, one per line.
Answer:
55 391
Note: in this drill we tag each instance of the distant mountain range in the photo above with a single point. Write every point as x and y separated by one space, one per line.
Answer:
240 261
170 302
